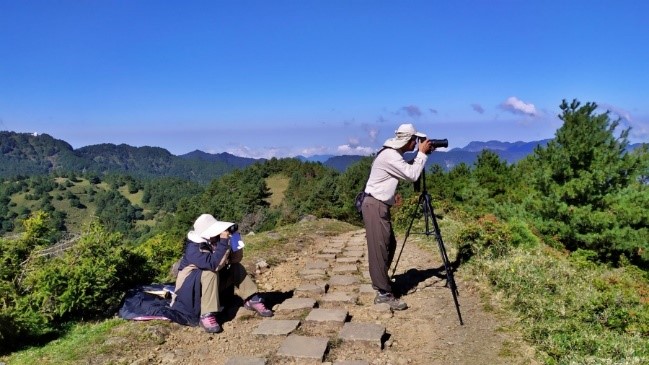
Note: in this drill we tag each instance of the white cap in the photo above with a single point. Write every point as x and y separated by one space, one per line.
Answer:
403 134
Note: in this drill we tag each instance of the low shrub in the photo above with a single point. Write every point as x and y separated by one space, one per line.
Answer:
573 310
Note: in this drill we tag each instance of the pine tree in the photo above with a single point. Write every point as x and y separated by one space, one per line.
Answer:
583 181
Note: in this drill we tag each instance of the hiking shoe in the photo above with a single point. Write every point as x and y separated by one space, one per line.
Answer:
258 306
395 304
209 323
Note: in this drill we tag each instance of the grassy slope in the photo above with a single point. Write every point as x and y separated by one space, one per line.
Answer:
77 218
86 342
277 185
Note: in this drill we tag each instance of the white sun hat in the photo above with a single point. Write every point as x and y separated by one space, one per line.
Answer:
206 227
402 135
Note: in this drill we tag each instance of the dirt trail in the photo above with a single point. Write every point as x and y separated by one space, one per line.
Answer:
427 333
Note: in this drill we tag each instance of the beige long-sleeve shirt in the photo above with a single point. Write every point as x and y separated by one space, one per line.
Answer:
388 168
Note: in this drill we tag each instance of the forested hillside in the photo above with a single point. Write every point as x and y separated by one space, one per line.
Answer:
560 236
29 154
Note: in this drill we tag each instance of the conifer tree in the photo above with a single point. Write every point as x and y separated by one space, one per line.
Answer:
583 181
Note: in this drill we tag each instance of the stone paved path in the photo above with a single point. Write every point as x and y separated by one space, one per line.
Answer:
324 314
317 317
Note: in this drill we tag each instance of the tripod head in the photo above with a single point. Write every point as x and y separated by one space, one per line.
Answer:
417 185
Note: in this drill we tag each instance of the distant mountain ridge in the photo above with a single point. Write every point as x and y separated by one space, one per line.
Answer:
508 151
228 159
37 154
27 154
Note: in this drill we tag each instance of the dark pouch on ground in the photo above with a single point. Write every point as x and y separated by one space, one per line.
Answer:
358 202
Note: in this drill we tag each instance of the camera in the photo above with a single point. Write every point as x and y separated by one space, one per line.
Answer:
437 143
233 228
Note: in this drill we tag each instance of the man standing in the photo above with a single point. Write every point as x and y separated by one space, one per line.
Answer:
388 168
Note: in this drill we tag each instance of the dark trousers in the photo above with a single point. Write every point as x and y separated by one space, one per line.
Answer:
381 243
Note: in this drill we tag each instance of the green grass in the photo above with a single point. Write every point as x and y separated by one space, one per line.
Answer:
81 340
77 218
277 185
570 310
135 199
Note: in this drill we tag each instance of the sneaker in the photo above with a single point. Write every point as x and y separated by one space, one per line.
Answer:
209 323
395 304
258 306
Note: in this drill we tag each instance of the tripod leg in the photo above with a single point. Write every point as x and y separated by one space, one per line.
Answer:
450 279
412 220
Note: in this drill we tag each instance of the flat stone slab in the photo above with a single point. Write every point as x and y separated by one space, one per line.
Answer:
311 272
314 278
245 361
327 315
303 347
366 289
345 269
355 253
292 304
309 288
341 297
326 256
276 327
371 333
347 260
342 280
317 265
332 250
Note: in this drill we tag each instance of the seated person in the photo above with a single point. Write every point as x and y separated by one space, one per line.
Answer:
208 266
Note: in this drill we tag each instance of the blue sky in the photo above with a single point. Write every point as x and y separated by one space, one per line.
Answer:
284 78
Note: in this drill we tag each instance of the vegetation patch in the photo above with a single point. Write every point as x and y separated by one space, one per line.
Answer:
277 184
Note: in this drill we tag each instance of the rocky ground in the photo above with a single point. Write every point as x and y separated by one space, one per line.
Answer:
428 332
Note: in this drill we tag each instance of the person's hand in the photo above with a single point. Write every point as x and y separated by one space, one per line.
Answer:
425 146
398 199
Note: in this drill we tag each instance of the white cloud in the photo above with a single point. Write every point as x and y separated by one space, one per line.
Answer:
517 106
372 132
270 152
310 151
639 125
617 111
354 150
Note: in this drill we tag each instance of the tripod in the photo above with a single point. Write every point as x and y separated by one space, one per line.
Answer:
429 214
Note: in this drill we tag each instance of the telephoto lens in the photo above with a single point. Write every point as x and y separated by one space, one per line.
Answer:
437 143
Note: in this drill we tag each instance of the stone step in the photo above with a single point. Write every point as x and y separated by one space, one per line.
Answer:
303 349
310 290
317 265
242 360
367 333
326 256
276 327
344 269
342 280
337 298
